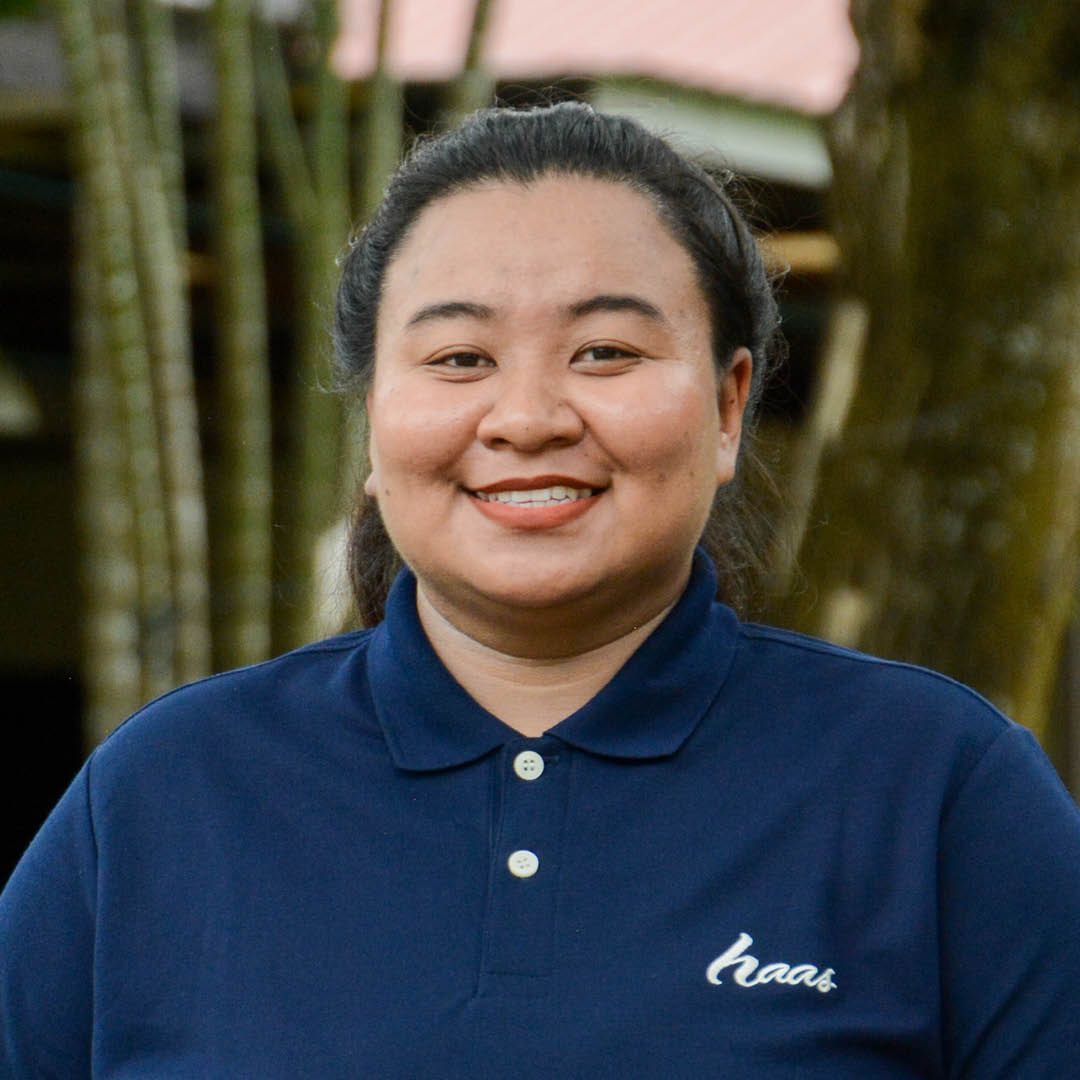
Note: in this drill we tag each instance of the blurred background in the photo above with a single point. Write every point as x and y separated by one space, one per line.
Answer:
177 178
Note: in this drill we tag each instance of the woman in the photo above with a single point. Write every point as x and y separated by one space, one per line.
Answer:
560 813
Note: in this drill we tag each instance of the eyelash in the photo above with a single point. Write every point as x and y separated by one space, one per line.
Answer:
448 360
617 351
477 360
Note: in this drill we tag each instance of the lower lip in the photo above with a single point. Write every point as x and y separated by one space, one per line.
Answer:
531 516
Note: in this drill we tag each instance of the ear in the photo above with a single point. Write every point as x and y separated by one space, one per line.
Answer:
731 395
371 484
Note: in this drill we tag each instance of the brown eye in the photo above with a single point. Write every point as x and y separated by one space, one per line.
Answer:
601 353
462 360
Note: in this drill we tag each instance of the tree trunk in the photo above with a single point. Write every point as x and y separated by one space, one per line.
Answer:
950 508
244 577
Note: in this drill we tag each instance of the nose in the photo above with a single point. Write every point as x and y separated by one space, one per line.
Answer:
529 412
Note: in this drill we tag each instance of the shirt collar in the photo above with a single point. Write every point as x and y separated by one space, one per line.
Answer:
648 710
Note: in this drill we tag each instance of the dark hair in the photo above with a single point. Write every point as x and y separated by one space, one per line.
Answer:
571 138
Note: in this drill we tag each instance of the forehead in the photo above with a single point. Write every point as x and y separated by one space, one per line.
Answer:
552 241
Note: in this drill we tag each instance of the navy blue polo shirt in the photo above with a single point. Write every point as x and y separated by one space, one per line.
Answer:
752 854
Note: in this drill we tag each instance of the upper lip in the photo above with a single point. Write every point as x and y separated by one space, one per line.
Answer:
534 483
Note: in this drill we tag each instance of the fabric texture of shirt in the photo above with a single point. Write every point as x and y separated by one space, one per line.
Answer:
752 854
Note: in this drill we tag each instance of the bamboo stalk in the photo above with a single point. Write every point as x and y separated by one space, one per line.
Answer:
243 361
318 415
161 79
109 572
315 196
99 157
379 151
150 170
474 87
284 145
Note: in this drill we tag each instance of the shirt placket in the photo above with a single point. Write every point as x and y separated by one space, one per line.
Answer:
526 860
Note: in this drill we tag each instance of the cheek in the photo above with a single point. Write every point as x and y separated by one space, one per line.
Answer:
669 441
410 438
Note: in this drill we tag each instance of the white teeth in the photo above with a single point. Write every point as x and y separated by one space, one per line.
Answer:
537 496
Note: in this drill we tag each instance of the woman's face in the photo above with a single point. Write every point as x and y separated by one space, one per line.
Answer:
547 426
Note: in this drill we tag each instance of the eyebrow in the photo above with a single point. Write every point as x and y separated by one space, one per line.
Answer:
451 309
616 302
456 309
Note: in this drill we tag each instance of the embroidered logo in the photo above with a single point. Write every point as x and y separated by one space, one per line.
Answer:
749 971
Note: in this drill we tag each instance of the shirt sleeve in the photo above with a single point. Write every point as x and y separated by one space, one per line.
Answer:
47 944
1010 918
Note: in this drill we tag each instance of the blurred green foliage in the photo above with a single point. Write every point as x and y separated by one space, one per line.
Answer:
20 7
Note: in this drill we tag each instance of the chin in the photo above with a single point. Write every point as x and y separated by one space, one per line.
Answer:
574 591
524 586
537 592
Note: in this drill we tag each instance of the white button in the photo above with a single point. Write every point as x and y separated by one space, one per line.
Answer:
523 863
528 765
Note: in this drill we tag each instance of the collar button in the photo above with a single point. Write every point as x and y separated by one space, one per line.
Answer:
528 765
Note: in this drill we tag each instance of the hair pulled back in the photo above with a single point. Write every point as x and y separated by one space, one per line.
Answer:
522 146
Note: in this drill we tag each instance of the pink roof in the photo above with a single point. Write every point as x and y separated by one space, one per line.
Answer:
794 53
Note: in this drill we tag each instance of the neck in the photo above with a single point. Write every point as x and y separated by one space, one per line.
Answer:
529 693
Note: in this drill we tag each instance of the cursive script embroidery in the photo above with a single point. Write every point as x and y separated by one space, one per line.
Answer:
748 971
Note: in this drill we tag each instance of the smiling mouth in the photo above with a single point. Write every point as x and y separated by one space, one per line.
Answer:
555 495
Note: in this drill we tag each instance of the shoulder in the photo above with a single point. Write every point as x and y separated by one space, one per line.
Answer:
822 673
226 712
297 674
877 709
